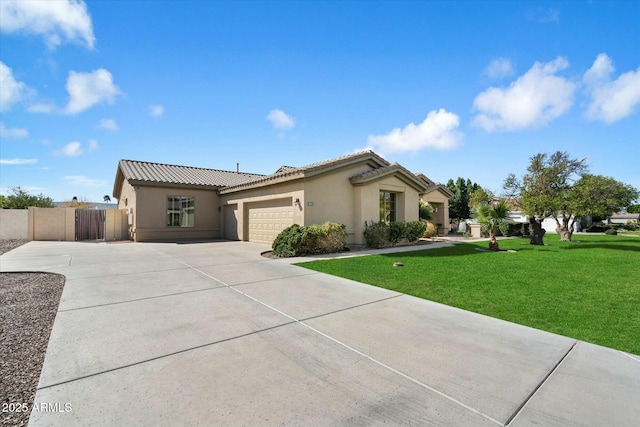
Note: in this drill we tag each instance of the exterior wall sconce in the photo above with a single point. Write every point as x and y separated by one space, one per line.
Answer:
296 202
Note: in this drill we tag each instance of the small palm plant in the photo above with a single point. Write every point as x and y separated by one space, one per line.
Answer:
490 216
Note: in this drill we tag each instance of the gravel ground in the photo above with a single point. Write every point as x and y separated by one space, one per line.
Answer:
28 306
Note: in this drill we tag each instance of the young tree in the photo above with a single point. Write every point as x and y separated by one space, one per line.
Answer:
21 199
479 197
544 191
490 216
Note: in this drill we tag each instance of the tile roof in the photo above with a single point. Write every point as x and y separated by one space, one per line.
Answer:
289 172
146 172
393 168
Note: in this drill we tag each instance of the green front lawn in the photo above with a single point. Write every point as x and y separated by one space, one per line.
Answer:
588 289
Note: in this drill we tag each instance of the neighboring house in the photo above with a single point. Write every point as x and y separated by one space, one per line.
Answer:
622 218
169 202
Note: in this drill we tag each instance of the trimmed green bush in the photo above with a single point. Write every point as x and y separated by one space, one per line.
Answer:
326 238
381 235
510 229
290 242
298 240
397 232
611 232
415 230
376 234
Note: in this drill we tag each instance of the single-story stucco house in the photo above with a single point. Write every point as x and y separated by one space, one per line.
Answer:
170 202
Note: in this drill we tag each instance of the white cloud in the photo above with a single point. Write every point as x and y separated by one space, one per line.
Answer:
88 89
83 181
72 149
610 100
93 145
41 108
438 131
534 99
12 91
17 161
156 110
280 120
55 21
15 133
109 124
498 68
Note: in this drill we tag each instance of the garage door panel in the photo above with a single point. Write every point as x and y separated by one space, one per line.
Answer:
268 219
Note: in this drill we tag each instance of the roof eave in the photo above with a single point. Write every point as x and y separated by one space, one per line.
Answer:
398 171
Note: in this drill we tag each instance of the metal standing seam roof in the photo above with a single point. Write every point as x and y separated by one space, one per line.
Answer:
174 174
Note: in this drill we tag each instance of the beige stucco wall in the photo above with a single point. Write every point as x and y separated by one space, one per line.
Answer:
240 202
149 205
328 197
334 199
52 224
14 224
116 227
440 204
369 198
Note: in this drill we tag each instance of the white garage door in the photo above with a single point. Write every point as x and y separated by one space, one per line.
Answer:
268 219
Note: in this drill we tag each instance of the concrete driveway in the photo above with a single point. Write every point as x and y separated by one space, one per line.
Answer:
214 334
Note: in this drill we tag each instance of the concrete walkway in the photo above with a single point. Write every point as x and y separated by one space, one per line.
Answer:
214 334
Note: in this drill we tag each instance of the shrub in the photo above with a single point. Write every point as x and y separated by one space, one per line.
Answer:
290 242
415 230
611 232
631 225
380 234
430 230
397 232
376 234
326 238
298 240
525 229
509 229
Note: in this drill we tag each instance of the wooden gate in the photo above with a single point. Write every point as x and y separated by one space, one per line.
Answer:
90 224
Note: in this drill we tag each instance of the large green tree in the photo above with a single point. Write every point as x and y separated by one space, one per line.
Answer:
559 187
21 199
600 196
459 207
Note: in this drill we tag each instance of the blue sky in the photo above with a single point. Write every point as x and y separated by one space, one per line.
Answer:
446 88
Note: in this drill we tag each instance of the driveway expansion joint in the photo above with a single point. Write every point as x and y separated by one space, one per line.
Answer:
142 299
540 385
173 353
358 352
